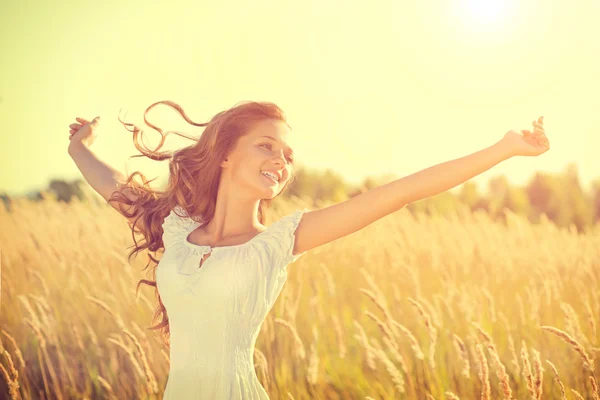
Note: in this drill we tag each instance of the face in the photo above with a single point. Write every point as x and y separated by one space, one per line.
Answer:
266 147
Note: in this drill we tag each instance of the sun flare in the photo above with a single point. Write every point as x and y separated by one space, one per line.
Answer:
483 12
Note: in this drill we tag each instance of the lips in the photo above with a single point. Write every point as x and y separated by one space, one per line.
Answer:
273 182
274 172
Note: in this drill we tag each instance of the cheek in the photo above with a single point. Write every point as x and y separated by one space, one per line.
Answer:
251 160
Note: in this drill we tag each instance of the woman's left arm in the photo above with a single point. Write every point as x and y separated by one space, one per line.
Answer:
445 176
325 225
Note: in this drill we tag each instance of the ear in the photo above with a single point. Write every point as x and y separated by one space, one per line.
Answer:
225 163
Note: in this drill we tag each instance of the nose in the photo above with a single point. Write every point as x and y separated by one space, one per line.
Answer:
280 157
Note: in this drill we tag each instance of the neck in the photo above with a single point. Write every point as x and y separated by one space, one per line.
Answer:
236 214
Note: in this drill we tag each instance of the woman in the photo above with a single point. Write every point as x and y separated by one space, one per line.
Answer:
222 269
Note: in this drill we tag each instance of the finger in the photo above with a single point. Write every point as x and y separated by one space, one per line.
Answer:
539 133
541 139
75 126
85 121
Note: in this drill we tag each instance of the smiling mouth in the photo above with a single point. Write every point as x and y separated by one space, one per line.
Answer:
269 179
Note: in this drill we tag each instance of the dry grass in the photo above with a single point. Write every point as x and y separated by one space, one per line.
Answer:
484 375
557 379
350 323
501 373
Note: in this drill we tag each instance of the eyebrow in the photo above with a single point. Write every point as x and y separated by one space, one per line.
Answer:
275 140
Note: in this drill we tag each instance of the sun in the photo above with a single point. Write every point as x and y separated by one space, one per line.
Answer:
483 12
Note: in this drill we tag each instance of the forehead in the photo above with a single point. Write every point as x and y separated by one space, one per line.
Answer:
278 130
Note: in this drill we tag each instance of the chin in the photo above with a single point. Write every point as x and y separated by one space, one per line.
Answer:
272 192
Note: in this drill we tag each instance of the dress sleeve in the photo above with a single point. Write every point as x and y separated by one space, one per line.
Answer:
176 226
281 244
284 233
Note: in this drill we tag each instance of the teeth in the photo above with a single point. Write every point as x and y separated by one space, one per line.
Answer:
270 175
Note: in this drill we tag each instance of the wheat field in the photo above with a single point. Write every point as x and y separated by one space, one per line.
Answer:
411 307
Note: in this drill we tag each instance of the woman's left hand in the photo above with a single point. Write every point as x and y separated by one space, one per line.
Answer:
526 143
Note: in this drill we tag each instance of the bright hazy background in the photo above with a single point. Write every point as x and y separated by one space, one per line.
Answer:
369 87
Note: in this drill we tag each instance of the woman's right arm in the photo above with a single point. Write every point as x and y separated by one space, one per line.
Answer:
101 177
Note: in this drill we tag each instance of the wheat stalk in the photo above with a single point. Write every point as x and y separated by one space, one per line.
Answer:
591 320
513 353
527 374
263 364
384 328
501 373
595 392
106 308
312 372
299 345
414 343
106 386
380 303
431 329
484 376
487 337
13 384
151 385
16 348
363 339
451 395
557 379
539 373
339 333
129 352
395 374
55 380
576 393
462 350
587 361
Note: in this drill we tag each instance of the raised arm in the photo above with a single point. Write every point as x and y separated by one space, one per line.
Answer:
101 177
325 225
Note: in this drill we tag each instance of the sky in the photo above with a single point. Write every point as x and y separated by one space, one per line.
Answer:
369 88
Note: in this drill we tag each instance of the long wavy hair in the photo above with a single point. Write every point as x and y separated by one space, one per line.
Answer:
194 174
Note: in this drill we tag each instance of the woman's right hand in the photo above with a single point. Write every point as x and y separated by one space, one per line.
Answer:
84 131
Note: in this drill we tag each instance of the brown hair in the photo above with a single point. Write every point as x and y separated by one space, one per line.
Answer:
194 174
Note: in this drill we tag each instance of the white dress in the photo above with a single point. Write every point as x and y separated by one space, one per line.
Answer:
216 310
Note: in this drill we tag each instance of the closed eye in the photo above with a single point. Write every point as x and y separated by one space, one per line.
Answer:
290 159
